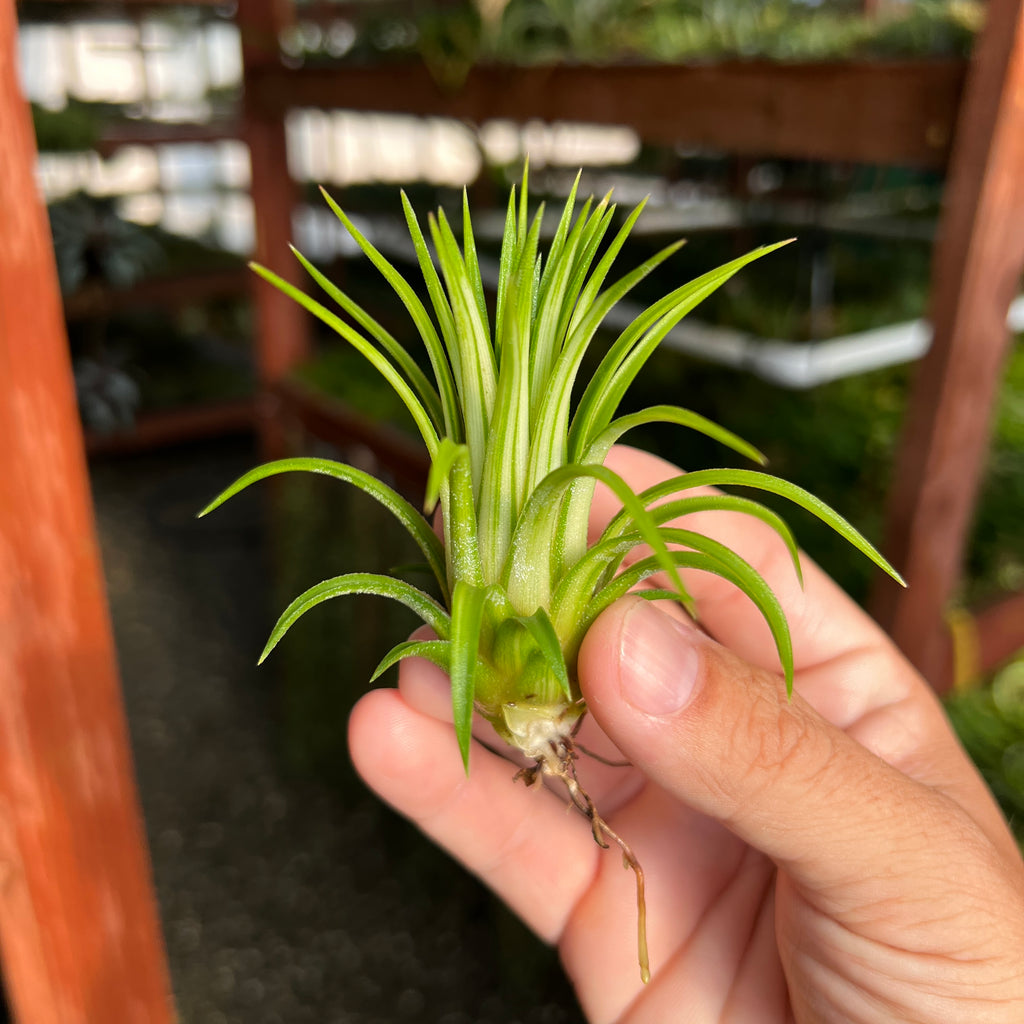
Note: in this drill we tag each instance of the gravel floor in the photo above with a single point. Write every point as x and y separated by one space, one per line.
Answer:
284 900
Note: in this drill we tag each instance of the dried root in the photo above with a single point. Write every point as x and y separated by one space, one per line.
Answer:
560 763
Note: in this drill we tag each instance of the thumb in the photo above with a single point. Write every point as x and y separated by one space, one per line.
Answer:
722 737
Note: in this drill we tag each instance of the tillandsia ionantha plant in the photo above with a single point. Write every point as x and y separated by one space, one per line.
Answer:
514 467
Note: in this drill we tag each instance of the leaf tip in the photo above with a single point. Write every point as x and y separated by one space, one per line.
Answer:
464 736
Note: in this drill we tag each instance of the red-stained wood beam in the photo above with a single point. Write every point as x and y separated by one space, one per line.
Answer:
331 420
1000 631
897 112
170 292
976 272
176 426
282 328
79 937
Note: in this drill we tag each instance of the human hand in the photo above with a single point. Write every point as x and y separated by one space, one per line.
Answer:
830 858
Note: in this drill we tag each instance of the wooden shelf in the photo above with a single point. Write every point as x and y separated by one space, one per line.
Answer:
175 426
35 11
159 133
159 291
899 113
332 420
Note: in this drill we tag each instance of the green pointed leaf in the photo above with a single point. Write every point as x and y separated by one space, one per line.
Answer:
440 466
527 576
656 594
470 313
409 299
424 389
419 529
670 414
467 617
472 263
542 630
733 569
460 523
477 383
561 232
442 310
731 503
506 264
523 197
707 503
437 652
573 525
751 582
360 583
364 347
593 286
576 589
554 309
551 435
771 484
636 344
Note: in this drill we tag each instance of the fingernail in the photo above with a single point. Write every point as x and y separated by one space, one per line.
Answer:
659 661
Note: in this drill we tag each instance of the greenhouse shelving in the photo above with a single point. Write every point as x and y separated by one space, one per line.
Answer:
892 112
171 290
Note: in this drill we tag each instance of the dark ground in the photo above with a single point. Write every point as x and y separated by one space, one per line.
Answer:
285 899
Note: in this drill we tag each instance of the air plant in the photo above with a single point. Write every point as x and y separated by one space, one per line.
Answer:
514 467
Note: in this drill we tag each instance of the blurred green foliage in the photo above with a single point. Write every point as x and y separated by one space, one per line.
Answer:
451 37
990 724
75 127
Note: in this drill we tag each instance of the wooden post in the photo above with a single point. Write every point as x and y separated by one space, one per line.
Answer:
79 937
975 274
282 331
